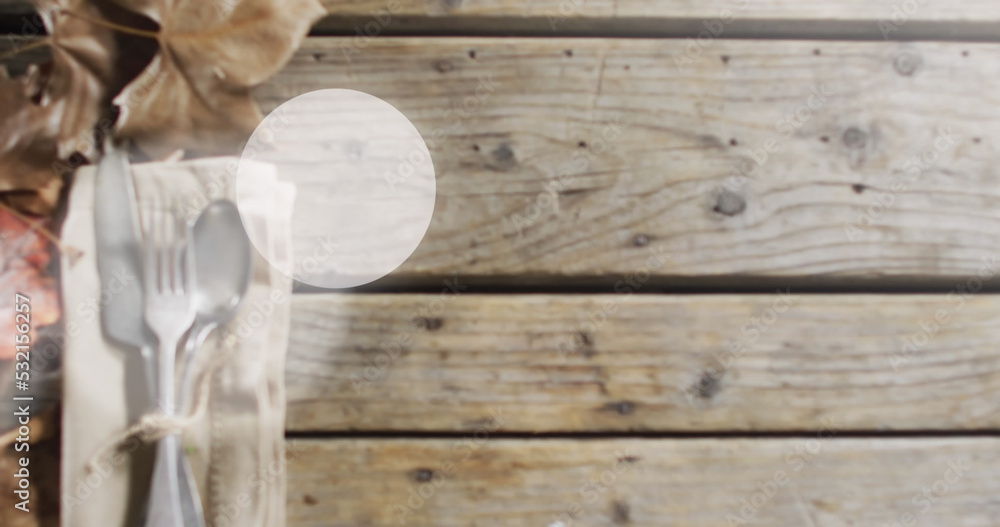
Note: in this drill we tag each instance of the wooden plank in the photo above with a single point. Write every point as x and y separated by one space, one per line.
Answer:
691 9
968 20
607 363
578 157
769 10
807 481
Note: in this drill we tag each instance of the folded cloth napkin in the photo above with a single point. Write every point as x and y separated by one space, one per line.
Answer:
234 426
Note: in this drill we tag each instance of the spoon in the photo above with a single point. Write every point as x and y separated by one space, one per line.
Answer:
223 269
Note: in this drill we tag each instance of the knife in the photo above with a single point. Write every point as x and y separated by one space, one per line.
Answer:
119 260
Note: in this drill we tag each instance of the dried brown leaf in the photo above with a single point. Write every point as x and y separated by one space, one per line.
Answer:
83 59
24 258
51 112
28 139
41 202
195 95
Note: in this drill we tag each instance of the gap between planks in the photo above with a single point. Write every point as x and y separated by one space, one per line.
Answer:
376 435
966 20
659 285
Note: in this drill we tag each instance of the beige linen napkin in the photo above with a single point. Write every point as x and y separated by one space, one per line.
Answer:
238 438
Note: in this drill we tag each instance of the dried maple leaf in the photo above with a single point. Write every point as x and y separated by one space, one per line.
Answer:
195 95
51 112
83 59
28 139
41 202
24 257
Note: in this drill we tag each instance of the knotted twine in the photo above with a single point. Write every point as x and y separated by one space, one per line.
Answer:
154 426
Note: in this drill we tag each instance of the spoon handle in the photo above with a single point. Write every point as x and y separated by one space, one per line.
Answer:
196 337
189 497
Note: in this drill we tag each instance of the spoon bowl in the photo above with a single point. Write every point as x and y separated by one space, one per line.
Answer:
222 263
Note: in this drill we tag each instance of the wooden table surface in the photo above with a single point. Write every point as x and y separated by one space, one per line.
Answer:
746 280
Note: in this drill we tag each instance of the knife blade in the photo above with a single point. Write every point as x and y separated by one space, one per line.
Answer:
119 260
119 264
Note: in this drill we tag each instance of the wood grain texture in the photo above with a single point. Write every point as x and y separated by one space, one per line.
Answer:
585 155
756 9
616 363
498 482
696 9
967 20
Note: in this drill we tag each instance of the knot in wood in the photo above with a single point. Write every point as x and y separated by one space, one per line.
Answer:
906 63
855 139
730 203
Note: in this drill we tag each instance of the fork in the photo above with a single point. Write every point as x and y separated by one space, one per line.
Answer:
169 313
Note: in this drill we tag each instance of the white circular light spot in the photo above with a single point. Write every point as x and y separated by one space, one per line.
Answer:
364 182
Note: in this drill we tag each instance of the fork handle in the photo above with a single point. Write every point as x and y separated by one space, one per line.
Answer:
165 494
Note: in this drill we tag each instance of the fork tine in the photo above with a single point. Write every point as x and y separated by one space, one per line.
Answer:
187 228
150 269
163 248
177 248
168 247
